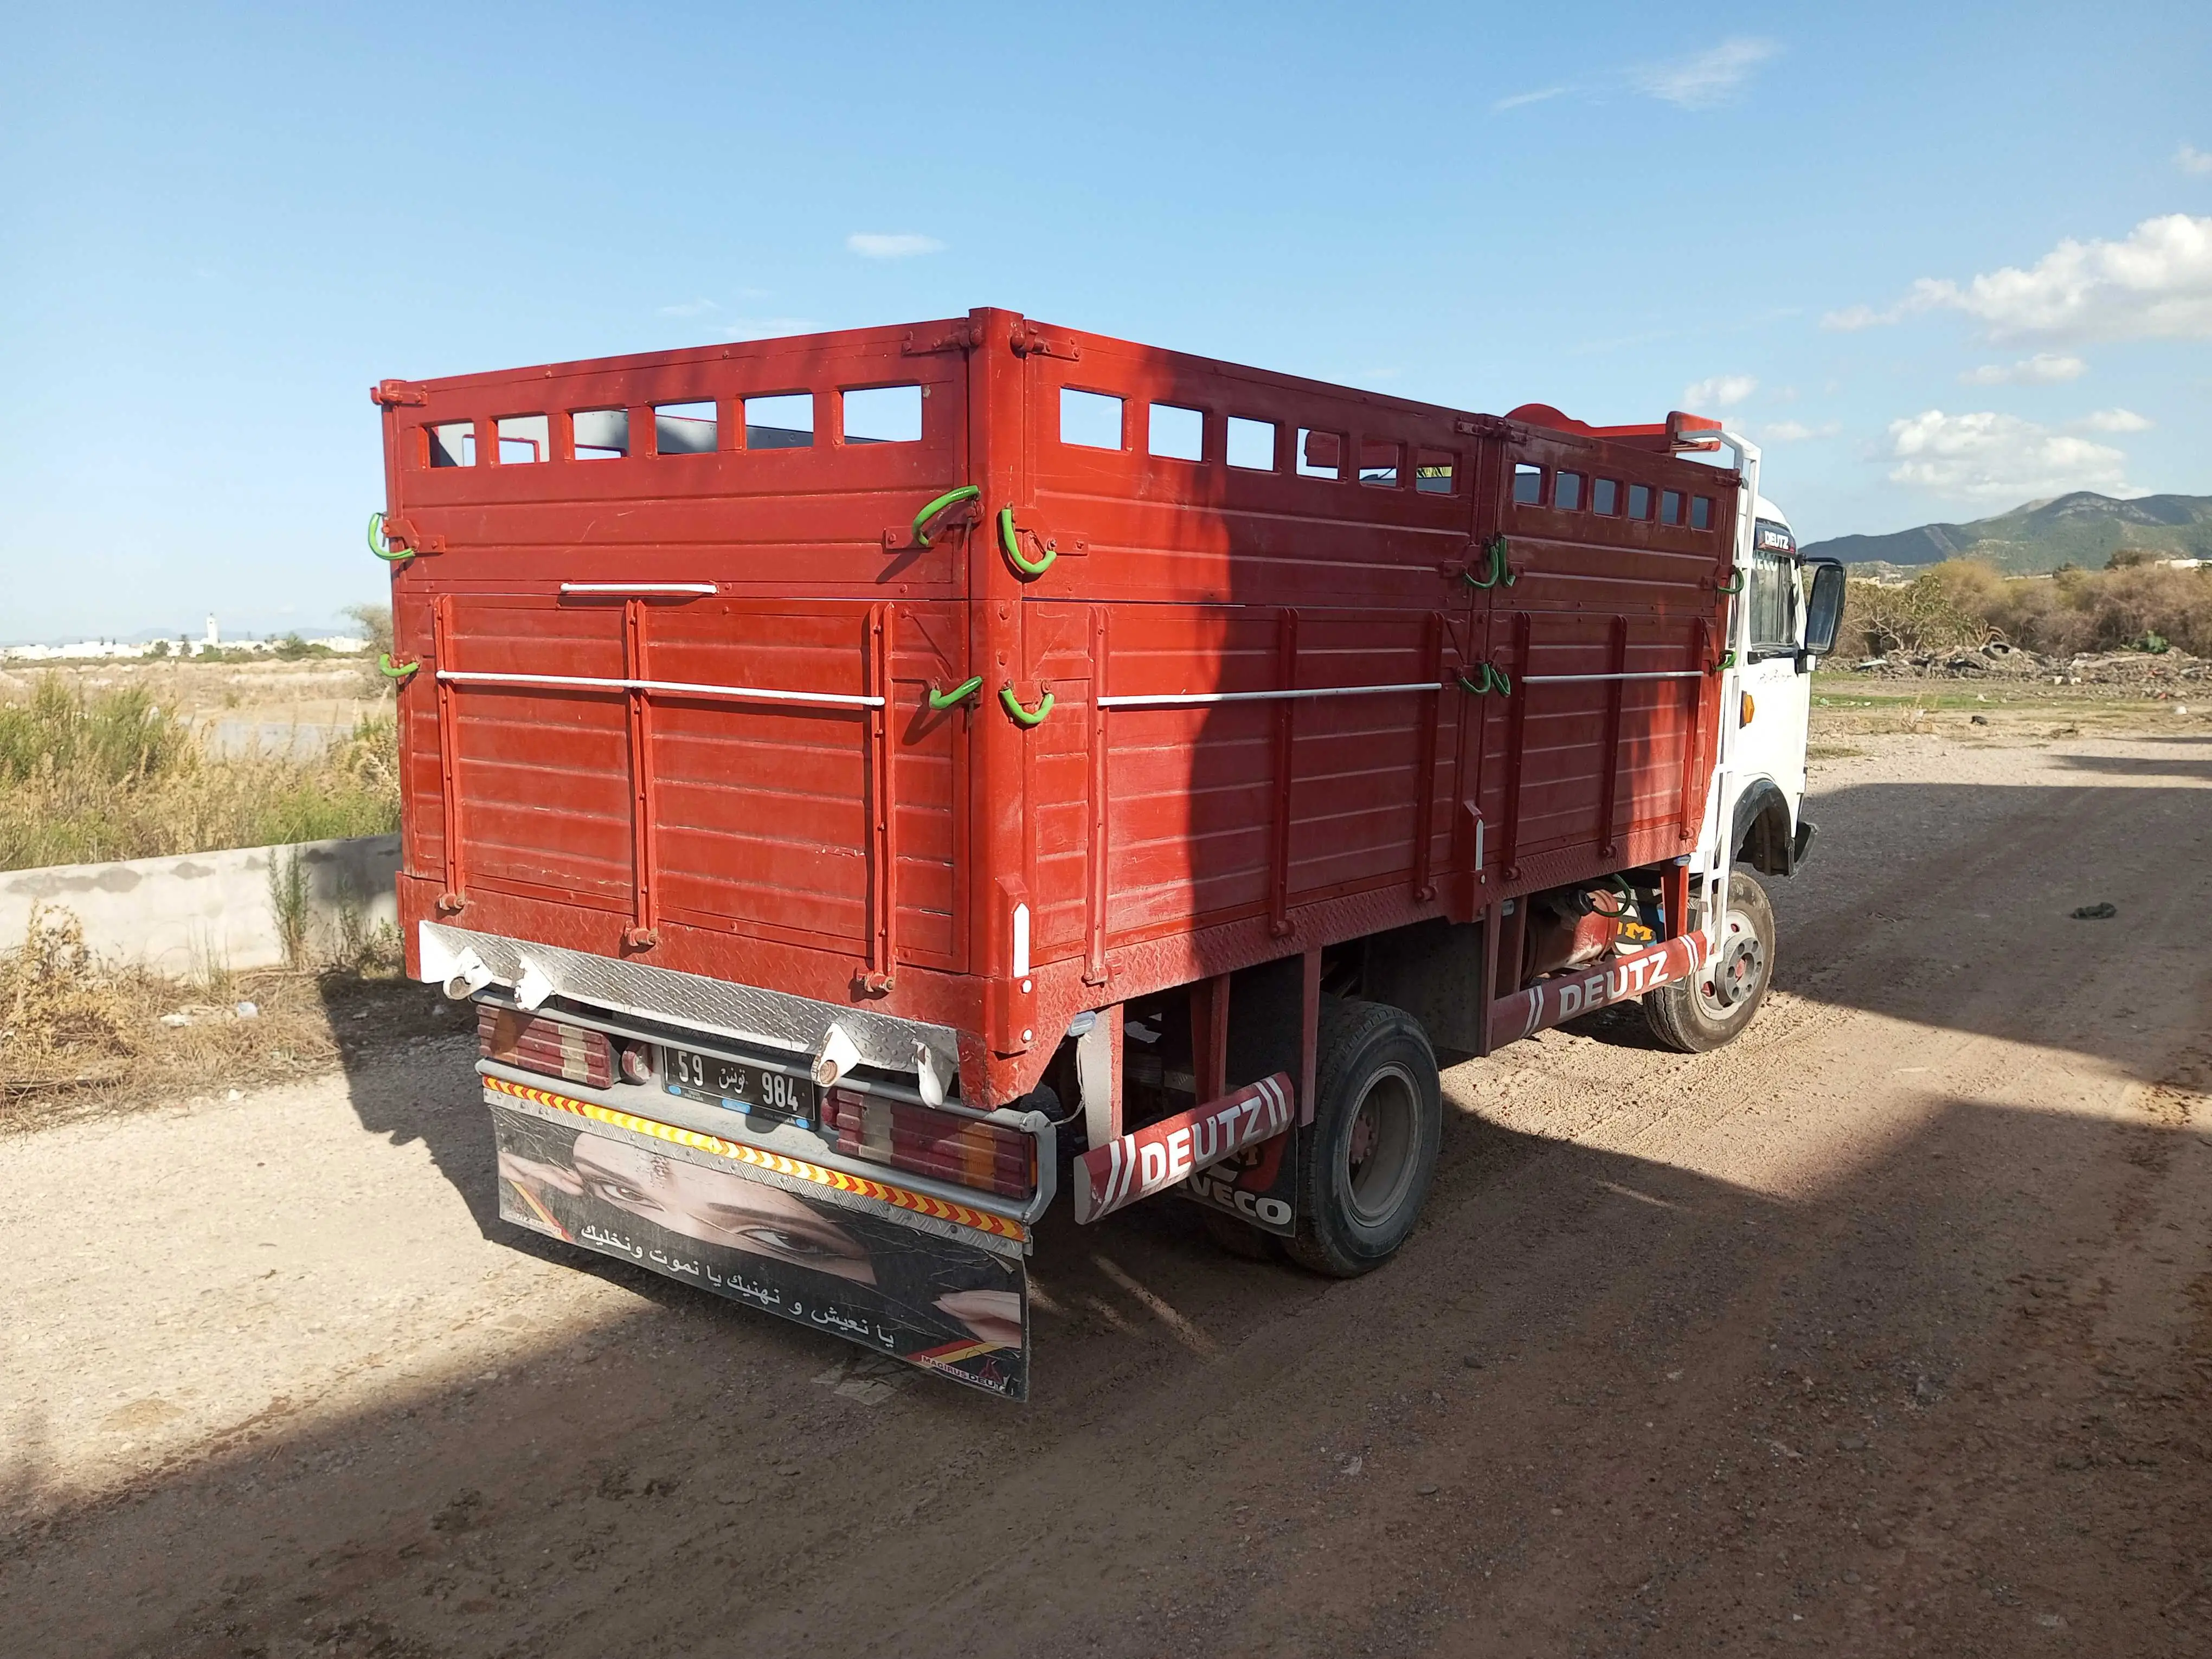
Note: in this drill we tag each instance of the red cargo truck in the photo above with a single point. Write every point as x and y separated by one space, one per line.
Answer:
872 782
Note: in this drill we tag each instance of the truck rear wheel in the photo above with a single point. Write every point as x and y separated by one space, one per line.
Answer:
1367 1158
1695 1015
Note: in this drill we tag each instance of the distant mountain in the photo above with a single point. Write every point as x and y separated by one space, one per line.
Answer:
2082 529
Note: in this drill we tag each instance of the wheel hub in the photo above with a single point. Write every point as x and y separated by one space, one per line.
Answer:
1740 967
1381 1146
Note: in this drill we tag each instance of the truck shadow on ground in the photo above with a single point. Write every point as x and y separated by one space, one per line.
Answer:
687 1471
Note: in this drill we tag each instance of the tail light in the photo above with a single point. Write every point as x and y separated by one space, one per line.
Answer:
568 1052
913 1138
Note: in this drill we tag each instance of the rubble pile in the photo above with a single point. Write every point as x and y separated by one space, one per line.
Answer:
2147 673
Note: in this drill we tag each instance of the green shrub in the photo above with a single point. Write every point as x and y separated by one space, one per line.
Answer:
83 780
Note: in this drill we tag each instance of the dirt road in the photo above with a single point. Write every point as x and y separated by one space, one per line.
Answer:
1888 1330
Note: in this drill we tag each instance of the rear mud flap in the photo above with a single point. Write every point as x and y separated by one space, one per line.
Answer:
1259 1184
813 1257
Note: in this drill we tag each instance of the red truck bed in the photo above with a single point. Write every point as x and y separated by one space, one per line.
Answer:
676 648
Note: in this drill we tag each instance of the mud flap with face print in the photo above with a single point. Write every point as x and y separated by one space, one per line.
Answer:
771 1232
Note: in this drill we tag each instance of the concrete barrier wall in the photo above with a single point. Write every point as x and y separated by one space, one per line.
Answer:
178 915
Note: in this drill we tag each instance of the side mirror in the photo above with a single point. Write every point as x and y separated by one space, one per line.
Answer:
1824 609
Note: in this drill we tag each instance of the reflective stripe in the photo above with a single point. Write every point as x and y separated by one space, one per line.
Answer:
837 1180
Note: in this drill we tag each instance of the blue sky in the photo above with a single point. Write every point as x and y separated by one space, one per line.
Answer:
1939 259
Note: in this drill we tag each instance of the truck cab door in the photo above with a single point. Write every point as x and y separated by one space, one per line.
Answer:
1774 704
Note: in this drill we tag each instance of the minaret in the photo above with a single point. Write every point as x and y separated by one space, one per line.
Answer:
214 637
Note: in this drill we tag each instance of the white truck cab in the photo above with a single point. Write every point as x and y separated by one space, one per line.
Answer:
1784 618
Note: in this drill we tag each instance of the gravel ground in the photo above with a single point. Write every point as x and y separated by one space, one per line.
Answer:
1886 1330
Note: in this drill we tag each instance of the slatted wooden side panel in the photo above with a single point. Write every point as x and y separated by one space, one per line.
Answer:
1364 768
762 810
1191 791
542 774
1551 787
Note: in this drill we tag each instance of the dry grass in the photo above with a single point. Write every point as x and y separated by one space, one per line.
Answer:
1963 602
78 1037
89 776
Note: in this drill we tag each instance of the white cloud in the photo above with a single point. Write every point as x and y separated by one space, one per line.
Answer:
2156 285
1720 391
2115 420
1998 457
2044 368
1796 432
1519 100
689 308
902 245
2189 158
1704 78
1852 317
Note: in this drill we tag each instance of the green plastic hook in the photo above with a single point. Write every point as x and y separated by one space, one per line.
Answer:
1014 553
958 694
1499 570
1734 585
1727 662
394 671
381 548
1021 716
950 498
1494 679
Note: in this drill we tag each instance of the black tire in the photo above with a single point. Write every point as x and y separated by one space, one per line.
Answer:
1239 1239
1365 1162
1695 1015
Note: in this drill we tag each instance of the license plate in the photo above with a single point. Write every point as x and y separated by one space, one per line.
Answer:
739 1087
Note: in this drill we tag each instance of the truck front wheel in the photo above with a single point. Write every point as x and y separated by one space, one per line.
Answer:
1367 1158
1695 1015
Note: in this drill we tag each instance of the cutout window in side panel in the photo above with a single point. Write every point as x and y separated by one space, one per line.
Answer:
1670 507
1701 513
602 434
1527 484
1381 462
1321 454
453 444
1091 419
883 415
1605 496
1177 433
523 439
1436 472
1567 491
685 428
1639 501
783 422
1251 444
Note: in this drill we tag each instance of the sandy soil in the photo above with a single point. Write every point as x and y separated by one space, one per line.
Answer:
1887 1330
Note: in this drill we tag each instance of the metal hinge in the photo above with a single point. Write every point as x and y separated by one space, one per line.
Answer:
1030 341
401 533
1487 426
389 394
959 337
